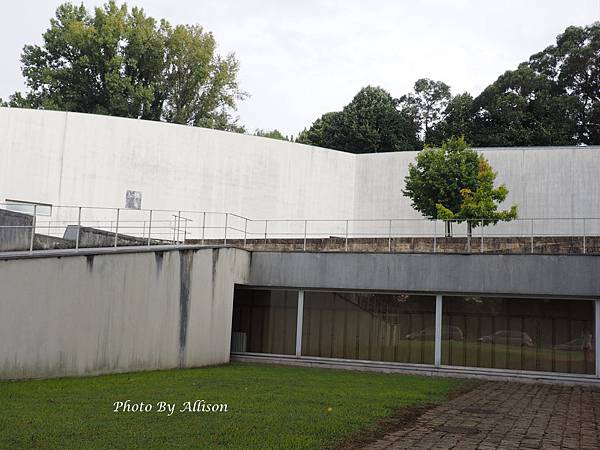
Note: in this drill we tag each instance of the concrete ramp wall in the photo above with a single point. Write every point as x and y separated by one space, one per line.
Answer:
115 312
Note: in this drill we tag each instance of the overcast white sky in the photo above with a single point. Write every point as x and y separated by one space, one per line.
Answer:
300 59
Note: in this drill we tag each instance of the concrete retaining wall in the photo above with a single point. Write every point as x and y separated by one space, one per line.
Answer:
545 182
15 234
15 231
106 311
546 245
90 160
115 312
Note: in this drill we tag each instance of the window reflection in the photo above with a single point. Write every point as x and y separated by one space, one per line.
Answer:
488 332
264 321
379 327
520 334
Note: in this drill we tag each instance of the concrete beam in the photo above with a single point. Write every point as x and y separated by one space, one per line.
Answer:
519 275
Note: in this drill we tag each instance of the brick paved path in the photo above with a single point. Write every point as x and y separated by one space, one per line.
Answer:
498 415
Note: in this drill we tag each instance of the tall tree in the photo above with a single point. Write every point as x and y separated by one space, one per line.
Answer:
573 65
427 103
124 63
552 99
326 131
523 108
457 121
370 123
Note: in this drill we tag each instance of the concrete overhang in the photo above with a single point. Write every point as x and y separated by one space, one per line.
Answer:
558 276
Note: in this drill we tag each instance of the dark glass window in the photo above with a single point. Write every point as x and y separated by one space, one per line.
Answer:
377 327
264 321
519 334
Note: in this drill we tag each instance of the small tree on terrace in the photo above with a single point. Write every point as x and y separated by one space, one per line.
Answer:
455 183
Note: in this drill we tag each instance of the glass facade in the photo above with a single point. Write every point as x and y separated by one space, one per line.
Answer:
530 334
264 321
378 327
519 334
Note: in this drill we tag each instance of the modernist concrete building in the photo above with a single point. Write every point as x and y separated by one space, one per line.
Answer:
99 310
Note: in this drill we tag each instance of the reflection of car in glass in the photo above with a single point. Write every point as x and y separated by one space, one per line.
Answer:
575 344
508 337
448 332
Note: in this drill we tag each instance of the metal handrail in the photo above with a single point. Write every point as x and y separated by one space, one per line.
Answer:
225 226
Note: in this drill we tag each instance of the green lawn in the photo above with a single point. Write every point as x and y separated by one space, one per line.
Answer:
268 407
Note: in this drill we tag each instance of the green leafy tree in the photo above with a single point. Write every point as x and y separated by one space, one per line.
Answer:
370 123
523 108
573 66
426 104
273 134
457 121
480 207
552 99
123 63
326 131
456 183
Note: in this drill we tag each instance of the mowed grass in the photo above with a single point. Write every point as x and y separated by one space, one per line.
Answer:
268 407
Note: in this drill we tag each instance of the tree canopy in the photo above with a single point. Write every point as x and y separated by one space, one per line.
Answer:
273 134
370 123
454 182
426 104
551 99
120 62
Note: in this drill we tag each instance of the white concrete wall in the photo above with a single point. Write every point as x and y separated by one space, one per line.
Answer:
83 315
81 159
545 183
69 158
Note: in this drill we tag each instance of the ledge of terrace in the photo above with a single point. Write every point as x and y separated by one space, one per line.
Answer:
548 276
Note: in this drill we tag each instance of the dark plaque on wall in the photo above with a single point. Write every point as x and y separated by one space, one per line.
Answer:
133 200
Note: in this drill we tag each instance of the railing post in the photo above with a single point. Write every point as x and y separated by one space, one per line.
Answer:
203 225
117 228
78 229
305 225
174 228
149 228
178 225
481 249
225 236
245 230
346 234
185 221
33 223
437 358
299 321
531 235
266 222
390 235
584 236
469 233
434 235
